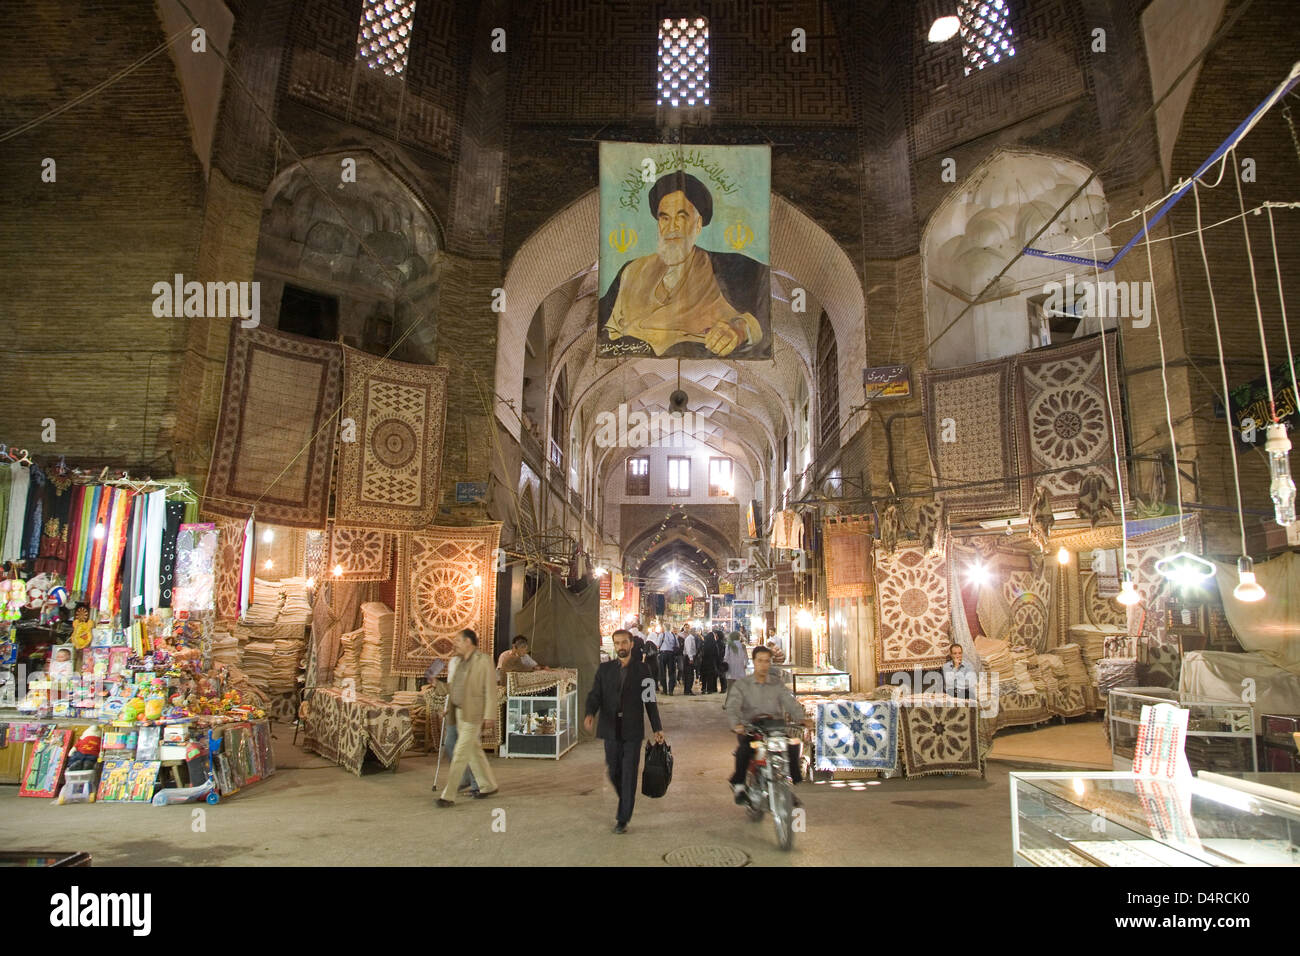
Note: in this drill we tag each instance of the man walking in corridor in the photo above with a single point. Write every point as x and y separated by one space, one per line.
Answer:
473 708
669 649
623 687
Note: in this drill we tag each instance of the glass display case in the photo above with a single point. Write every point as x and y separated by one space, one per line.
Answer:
1220 733
1118 819
813 680
541 724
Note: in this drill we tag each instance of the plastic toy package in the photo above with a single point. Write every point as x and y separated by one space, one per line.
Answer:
196 556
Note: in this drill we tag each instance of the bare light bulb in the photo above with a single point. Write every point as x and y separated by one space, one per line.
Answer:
269 564
1247 589
1128 594
804 618
338 570
1062 556
977 574
268 536
1281 487
598 571
310 583
478 580
100 531
944 28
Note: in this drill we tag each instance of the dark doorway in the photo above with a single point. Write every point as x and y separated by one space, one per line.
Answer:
308 313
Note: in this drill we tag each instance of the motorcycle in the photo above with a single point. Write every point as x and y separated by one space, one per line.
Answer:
768 785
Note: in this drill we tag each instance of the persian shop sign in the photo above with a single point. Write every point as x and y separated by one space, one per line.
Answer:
888 381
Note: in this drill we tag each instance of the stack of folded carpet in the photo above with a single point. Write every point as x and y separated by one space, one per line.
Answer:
995 656
1076 670
225 648
256 662
348 667
285 660
376 649
264 608
296 608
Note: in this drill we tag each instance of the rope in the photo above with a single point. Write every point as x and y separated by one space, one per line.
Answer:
1281 299
1164 378
1254 286
1223 370
1110 412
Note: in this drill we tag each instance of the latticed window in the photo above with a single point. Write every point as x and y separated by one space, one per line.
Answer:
384 40
985 35
684 62
638 476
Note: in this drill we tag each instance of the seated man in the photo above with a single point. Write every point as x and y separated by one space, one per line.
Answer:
959 678
755 694
516 659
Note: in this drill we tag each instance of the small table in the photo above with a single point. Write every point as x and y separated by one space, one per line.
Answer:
342 730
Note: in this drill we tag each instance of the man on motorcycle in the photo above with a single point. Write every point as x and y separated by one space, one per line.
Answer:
756 694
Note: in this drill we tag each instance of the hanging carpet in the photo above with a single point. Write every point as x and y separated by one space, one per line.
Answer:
912 596
364 554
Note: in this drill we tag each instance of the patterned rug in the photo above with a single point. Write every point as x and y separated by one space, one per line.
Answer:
1062 418
275 438
912 602
857 735
966 412
365 554
1097 609
343 730
229 565
1028 596
940 738
315 551
846 544
436 595
389 476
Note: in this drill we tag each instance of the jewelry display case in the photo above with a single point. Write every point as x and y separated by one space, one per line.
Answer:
813 680
1119 819
541 721
1220 733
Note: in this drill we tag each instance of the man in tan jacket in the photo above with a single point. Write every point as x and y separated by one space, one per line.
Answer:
473 705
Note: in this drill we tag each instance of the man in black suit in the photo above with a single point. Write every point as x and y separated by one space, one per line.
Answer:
622 688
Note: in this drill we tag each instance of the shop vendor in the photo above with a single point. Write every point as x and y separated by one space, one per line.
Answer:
959 678
516 659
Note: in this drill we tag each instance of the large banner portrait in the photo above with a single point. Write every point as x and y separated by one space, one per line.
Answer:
685 251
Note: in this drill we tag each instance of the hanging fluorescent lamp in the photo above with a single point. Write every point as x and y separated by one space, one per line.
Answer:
1185 569
1281 487
944 28
1128 594
1247 589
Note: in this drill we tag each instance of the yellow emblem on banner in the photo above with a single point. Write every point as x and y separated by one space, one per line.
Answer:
739 235
622 239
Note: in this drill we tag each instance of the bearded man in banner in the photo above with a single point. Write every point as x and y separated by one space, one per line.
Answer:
682 294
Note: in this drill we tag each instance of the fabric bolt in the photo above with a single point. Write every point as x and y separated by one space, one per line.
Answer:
76 505
1062 414
128 562
857 735
33 520
20 482
966 411
154 529
912 601
390 476
229 566
175 512
52 555
274 443
436 594
6 484
115 551
940 736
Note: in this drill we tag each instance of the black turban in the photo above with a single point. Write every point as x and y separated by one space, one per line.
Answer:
697 194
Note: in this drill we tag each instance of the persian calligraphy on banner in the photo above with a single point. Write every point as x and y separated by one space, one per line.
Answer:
685 251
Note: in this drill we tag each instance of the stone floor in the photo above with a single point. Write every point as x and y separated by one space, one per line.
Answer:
547 813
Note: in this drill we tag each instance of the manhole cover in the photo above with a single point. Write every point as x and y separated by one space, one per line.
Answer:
707 856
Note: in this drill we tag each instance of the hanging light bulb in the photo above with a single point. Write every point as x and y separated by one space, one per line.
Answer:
338 570
1128 594
1281 487
100 531
1247 588
268 536
310 583
804 618
269 564
977 574
598 571
944 28
1062 555
478 580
